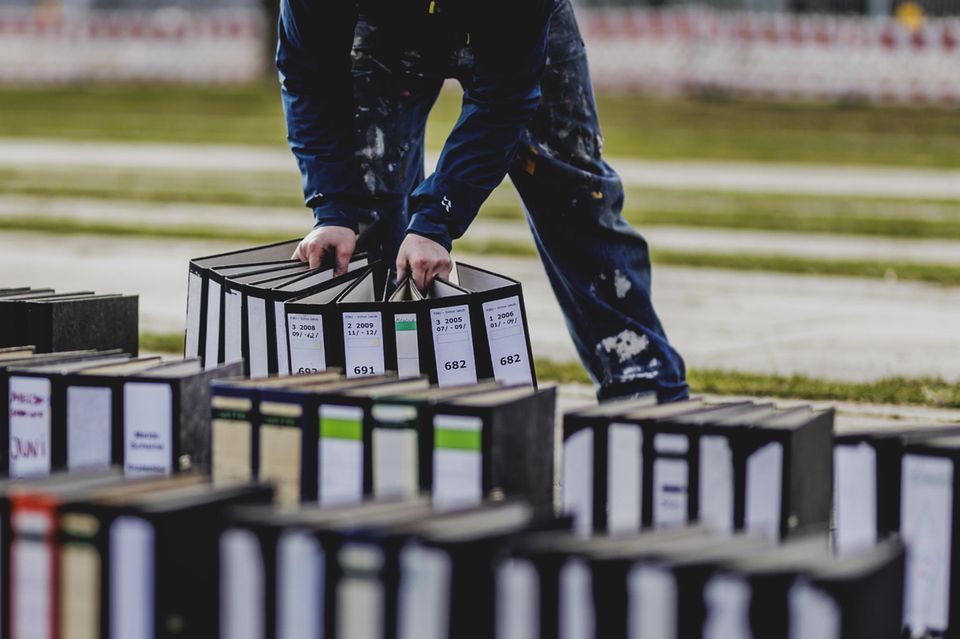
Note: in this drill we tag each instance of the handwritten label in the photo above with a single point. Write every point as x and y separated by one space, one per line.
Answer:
363 344
508 341
307 354
147 429
29 426
453 345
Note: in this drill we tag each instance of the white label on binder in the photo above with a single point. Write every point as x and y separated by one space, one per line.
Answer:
408 345
147 429
395 465
232 325
518 600
212 347
280 333
424 593
727 599
457 461
242 586
341 455
926 507
578 480
624 477
576 601
89 427
363 344
813 613
670 488
671 443
257 333
194 299
131 579
300 574
307 354
31 586
716 484
508 341
855 497
360 595
652 603
29 407
453 345
764 482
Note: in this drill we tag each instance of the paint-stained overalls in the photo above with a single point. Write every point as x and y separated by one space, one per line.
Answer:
598 266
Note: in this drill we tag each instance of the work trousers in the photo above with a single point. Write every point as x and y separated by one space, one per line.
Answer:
597 264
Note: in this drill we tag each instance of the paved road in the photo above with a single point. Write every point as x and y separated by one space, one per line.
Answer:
831 327
296 220
720 176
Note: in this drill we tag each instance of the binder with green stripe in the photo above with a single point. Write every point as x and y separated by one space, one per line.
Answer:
289 431
494 443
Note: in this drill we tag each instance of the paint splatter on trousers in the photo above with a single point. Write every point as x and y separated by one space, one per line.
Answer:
597 264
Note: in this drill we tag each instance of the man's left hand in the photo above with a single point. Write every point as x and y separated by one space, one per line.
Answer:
422 259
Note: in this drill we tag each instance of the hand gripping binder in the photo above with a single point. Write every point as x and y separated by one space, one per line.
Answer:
496 304
235 422
495 443
204 300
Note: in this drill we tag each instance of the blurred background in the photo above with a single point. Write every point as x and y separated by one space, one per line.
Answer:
795 165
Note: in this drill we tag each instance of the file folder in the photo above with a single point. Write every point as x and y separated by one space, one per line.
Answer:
202 303
236 419
497 305
494 443
165 415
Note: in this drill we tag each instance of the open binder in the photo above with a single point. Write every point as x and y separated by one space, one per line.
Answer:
279 316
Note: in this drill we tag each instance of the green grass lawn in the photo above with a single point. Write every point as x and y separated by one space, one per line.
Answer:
633 126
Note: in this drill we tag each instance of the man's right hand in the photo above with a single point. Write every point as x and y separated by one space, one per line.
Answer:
338 240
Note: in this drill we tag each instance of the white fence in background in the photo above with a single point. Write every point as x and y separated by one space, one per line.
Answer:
773 55
663 51
165 45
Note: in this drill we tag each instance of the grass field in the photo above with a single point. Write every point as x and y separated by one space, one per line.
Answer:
633 126
932 392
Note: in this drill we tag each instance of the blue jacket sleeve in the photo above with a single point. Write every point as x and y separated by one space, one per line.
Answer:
313 57
509 42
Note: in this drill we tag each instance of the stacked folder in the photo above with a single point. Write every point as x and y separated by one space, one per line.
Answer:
280 316
683 583
98 555
325 438
632 465
84 410
81 320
